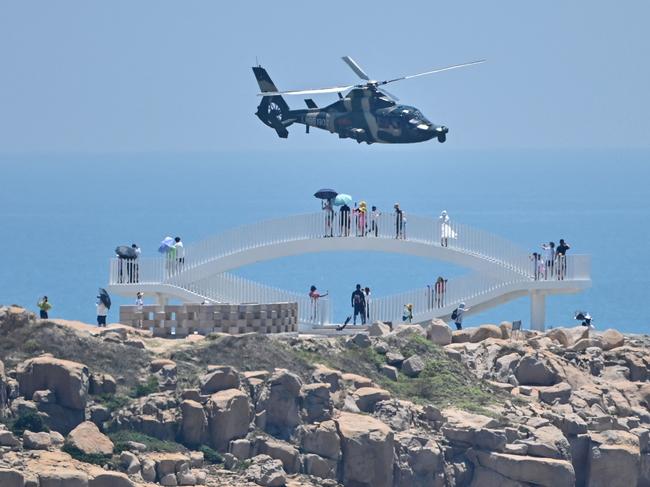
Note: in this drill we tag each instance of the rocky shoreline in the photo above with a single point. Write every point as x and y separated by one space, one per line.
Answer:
413 406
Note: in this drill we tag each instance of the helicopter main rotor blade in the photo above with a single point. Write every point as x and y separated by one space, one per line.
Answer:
440 70
334 89
355 67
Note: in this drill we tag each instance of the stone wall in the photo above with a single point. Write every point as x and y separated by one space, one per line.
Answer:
183 320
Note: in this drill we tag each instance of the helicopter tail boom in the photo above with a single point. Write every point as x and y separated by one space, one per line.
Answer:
273 111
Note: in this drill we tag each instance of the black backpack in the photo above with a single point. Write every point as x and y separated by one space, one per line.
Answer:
454 314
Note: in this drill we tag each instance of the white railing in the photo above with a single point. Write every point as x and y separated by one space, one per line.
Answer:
461 238
228 288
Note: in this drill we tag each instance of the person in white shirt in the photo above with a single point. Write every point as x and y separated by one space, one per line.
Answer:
102 311
180 252
374 221
139 303
548 254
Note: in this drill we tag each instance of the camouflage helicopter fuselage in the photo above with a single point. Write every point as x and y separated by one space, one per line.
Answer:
364 114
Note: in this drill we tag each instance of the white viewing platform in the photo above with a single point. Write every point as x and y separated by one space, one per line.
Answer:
502 271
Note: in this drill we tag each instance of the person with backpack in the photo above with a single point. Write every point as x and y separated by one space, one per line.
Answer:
358 300
457 315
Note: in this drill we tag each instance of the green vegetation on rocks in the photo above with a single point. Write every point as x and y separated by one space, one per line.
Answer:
121 439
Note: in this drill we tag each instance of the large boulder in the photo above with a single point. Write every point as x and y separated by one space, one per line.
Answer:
366 398
413 366
67 379
484 332
194 426
568 336
612 339
281 402
11 478
89 440
367 445
266 471
378 329
280 450
229 416
585 343
316 402
328 376
532 371
560 392
544 472
614 459
63 478
218 379
321 439
110 479
439 333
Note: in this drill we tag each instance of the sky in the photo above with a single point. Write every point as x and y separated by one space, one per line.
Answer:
154 76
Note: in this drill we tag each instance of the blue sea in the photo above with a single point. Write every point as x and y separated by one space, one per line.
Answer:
61 216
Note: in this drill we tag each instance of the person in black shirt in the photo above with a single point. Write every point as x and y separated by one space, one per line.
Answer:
358 301
399 221
560 252
345 221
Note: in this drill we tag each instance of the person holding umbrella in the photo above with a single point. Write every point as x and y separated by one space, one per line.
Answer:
344 201
327 196
126 253
103 305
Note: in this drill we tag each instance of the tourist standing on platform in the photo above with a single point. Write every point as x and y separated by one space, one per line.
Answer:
458 314
446 232
561 258
363 212
439 290
399 221
139 304
133 267
345 220
374 221
180 252
44 306
314 296
328 209
548 252
359 305
366 295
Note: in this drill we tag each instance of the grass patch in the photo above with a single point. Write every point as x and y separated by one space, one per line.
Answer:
210 455
95 458
146 388
28 421
121 438
114 402
31 346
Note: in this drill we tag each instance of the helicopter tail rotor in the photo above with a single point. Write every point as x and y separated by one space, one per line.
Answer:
273 111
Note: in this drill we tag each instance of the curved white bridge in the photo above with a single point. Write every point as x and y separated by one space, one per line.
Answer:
502 270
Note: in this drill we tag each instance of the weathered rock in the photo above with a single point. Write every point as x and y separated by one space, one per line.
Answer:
99 414
328 376
484 332
130 462
89 440
404 331
361 340
320 467
148 470
63 478
219 379
462 336
413 366
68 380
367 446
389 371
424 455
568 336
229 416
367 397
316 402
194 426
266 471
280 450
11 478
560 392
612 339
585 343
506 329
378 329
281 401
535 372
394 358
7 438
102 384
241 449
36 441
539 471
439 333
357 381
321 439
110 479
614 459
488 439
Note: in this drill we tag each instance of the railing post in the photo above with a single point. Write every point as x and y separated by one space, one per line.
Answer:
537 310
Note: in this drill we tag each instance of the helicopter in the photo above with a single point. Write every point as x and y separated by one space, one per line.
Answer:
367 113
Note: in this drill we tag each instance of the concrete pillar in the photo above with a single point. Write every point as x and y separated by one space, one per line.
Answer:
537 310
162 299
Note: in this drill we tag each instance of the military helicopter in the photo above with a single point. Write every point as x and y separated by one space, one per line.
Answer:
367 113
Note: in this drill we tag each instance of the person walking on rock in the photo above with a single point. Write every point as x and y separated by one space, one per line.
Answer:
458 314
44 306
358 300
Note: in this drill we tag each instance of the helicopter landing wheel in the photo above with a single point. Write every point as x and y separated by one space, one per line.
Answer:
442 138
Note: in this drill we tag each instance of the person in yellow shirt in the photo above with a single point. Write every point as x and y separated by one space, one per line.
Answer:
44 306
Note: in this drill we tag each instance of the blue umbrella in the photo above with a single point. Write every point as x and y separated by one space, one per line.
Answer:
166 245
343 199
325 194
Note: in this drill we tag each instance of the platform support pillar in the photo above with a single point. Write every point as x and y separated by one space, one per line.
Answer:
537 310
162 299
